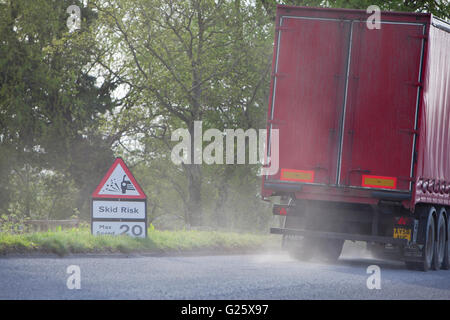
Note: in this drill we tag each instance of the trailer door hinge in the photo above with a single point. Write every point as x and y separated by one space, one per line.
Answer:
414 84
409 131
283 29
279 75
276 122
420 37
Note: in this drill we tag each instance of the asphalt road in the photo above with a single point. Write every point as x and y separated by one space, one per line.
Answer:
258 276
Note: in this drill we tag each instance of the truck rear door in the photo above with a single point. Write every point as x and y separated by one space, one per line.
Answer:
345 100
378 132
307 97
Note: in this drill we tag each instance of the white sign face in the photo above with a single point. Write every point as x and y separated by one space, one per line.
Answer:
118 209
133 229
119 184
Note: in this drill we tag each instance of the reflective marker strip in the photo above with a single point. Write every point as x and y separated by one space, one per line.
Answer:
297 175
379 182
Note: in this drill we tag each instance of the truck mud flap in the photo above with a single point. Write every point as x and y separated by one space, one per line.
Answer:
341 236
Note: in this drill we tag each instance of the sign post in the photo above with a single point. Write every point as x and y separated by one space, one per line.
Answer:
119 205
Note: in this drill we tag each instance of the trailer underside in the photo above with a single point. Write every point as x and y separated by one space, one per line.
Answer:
318 228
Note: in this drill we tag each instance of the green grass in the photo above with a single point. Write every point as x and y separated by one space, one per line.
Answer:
64 242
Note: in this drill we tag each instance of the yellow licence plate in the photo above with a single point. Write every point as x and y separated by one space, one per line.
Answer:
402 233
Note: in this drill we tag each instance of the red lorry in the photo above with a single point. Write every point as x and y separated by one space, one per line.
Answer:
363 116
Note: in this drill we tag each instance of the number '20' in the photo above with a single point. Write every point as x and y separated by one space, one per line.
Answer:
136 230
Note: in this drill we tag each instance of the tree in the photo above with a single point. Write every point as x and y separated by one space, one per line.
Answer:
438 8
49 99
188 61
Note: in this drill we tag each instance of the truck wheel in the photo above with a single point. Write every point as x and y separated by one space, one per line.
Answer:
446 262
330 249
429 247
440 241
302 250
428 259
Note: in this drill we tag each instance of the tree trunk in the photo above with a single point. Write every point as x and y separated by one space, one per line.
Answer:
194 206
221 203
220 213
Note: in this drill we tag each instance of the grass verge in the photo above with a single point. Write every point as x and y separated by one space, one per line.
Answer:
81 241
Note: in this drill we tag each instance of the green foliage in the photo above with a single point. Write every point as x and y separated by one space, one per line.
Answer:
438 8
41 194
50 103
185 61
81 241
11 223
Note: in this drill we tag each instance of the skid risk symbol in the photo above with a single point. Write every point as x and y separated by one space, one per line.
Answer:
118 183
125 185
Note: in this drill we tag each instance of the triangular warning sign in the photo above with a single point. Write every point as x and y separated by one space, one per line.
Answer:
118 182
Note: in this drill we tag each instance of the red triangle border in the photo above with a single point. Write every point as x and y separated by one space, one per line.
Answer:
118 161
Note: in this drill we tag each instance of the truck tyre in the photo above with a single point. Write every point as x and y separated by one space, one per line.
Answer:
429 246
440 241
300 249
428 259
329 249
446 262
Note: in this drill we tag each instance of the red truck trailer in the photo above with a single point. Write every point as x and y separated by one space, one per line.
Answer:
363 116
